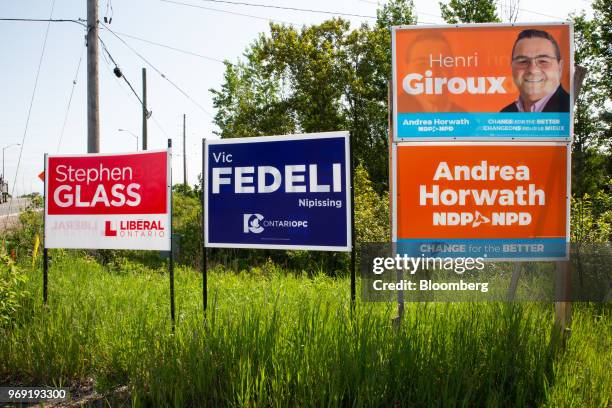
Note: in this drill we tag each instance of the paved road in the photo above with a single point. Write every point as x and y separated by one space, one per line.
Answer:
10 220
17 205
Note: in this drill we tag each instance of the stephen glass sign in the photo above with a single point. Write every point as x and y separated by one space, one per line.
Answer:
279 192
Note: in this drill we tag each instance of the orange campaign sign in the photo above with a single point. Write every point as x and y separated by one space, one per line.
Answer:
480 81
496 200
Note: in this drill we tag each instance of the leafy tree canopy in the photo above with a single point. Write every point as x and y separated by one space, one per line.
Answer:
469 11
592 159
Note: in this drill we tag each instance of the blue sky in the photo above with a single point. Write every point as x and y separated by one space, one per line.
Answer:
212 34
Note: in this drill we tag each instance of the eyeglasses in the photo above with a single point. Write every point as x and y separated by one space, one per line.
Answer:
541 61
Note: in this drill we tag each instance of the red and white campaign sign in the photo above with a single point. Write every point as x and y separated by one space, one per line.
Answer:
108 201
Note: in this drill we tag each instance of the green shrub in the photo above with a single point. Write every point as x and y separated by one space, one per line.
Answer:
37 201
12 288
371 210
591 218
22 238
187 225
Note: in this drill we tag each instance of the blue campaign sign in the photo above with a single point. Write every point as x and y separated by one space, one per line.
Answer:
278 192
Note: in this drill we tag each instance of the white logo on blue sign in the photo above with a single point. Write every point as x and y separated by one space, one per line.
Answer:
252 223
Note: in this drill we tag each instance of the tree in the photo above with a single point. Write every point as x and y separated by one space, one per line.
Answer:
371 210
395 13
592 134
319 78
469 11
602 42
248 104
510 10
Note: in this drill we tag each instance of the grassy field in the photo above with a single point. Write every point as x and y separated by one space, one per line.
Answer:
272 339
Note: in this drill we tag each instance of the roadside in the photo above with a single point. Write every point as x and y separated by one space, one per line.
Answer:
9 212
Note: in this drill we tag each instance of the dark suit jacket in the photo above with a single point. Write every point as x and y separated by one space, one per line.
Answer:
559 102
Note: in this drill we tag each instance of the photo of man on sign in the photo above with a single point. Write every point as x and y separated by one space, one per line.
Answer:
537 68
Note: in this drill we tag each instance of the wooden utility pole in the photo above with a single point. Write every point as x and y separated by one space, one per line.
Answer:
145 114
93 103
184 151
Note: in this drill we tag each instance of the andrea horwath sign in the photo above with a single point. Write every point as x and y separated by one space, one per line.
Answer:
99 201
280 192
502 200
482 81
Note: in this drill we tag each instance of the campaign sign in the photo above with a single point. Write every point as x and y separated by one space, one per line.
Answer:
497 201
483 81
102 201
280 192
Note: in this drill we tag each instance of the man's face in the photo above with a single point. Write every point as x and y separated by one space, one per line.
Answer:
535 68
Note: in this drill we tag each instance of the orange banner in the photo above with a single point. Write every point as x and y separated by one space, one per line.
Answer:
471 68
486 191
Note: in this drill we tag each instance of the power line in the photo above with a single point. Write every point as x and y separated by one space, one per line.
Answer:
25 132
74 82
112 12
170 47
105 48
110 70
542 14
530 11
112 74
276 20
240 3
46 20
435 15
118 72
159 72
107 52
160 127
119 83
230 12
381 3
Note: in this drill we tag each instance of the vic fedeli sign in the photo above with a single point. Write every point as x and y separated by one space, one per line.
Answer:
119 201
280 192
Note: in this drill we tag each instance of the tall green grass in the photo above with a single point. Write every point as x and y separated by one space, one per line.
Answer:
271 339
